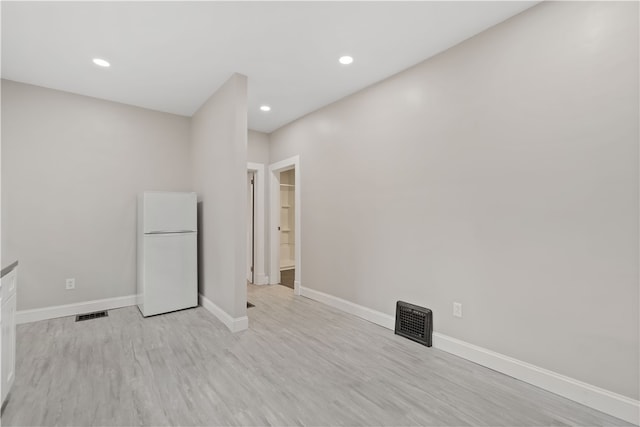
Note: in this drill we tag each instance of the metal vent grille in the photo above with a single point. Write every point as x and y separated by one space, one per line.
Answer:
94 315
414 322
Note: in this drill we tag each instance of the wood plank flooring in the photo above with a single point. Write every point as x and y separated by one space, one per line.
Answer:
300 363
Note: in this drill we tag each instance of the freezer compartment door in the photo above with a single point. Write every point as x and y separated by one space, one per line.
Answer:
170 273
164 212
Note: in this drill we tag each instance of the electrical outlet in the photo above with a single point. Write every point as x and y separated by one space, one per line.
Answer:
457 309
71 284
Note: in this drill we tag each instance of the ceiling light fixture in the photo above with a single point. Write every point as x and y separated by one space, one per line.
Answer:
345 60
265 108
101 62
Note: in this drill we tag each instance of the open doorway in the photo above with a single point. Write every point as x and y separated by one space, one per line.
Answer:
251 226
255 224
285 226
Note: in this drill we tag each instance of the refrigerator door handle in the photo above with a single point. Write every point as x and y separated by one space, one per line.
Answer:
171 232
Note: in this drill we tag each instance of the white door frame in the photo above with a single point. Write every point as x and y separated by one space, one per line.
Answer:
274 233
259 276
251 221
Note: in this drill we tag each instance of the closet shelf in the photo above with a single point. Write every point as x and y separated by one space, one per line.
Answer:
287 221
287 264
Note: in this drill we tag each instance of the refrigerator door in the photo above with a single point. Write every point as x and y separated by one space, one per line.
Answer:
167 212
170 273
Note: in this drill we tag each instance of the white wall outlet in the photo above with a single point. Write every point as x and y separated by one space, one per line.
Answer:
71 284
457 309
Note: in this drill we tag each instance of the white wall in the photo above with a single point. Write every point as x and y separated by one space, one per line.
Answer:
71 169
258 147
219 153
258 152
502 174
2 259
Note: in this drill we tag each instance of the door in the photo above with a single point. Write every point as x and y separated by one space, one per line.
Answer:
170 272
251 228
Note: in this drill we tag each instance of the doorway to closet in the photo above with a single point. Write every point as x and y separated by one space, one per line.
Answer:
287 228
285 224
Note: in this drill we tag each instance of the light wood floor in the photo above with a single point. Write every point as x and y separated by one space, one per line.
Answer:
300 363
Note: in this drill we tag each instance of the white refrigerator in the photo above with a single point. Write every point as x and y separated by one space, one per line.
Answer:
167 252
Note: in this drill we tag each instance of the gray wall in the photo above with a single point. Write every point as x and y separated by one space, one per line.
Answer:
258 147
219 150
258 152
71 169
3 261
502 174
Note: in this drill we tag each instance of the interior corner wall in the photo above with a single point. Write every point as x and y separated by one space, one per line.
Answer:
219 158
258 147
71 169
501 174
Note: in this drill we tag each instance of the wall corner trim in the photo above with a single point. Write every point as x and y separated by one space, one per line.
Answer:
589 395
235 324
46 313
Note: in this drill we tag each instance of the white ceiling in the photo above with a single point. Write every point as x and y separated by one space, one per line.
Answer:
171 56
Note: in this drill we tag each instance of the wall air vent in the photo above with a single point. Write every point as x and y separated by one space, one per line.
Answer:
94 315
413 322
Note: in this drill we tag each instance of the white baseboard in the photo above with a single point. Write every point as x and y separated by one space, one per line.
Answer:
598 398
261 279
235 324
28 316
297 287
589 395
365 313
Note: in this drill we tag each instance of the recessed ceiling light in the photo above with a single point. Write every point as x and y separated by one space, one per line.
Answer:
101 62
345 60
265 108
